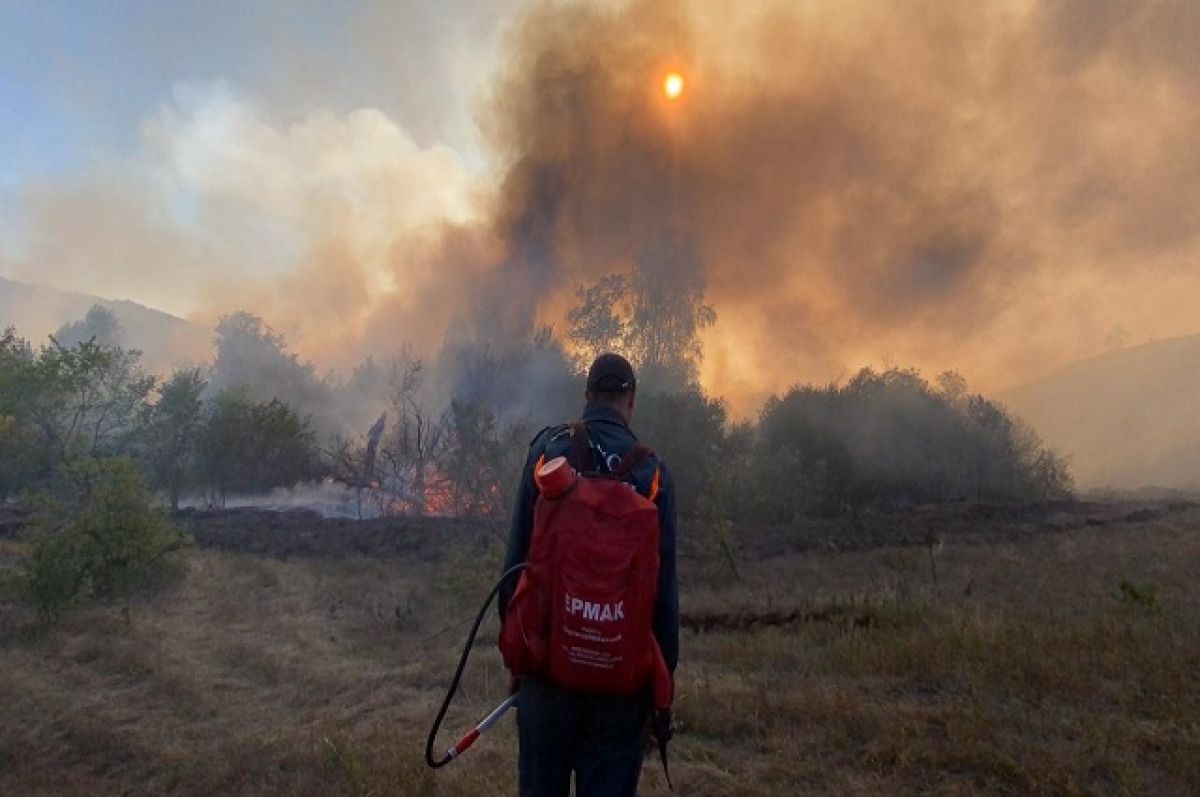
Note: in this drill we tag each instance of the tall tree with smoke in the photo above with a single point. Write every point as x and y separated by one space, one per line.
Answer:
77 402
250 447
252 357
23 460
654 315
890 439
100 324
175 423
412 452
668 313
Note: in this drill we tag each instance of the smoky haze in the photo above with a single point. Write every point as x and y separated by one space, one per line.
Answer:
923 184
991 187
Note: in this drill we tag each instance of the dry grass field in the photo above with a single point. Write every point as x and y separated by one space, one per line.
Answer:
1060 662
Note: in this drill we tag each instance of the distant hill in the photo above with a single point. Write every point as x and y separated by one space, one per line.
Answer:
37 311
1127 419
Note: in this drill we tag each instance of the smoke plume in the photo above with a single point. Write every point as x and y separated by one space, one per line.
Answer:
989 186
922 184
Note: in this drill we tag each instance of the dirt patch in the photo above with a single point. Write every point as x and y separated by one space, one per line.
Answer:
948 523
305 533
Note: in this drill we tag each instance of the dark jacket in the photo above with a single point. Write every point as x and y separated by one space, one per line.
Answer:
611 437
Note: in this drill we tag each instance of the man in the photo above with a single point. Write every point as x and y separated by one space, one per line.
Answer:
597 737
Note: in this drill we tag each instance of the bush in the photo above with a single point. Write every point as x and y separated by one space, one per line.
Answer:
686 429
1144 596
479 459
250 446
62 404
115 544
890 439
57 574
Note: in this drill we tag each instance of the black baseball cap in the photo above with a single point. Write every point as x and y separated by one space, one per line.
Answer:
611 373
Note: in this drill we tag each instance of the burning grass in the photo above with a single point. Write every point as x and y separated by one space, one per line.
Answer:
1026 669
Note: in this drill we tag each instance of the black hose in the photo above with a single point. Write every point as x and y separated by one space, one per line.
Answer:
462 663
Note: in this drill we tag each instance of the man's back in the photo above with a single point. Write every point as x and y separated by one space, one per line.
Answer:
598 737
611 439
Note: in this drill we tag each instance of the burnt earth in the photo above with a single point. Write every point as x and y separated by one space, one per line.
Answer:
305 533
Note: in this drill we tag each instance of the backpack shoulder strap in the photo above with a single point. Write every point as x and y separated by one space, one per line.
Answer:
632 460
581 444
634 457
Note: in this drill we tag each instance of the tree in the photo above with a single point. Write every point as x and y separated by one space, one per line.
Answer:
1046 474
354 462
113 543
599 321
418 436
100 325
801 462
173 431
499 395
687 429
252 447
22 461
953 386
15 352
519 380
254 358
59 405
667 313
85 401
889 438
654 316
478 459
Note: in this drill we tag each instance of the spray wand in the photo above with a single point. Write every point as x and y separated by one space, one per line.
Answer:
470 736
492 718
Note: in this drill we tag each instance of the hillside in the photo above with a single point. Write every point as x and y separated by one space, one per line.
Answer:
1127 419
37 311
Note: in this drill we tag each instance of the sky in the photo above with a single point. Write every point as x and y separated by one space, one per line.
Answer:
998 187
113 112
78 78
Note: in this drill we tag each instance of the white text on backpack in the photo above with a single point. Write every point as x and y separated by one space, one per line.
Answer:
600 612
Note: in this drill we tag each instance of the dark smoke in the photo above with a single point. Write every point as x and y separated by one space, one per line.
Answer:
887 183
989 186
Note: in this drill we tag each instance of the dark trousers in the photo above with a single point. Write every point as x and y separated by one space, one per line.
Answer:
598 737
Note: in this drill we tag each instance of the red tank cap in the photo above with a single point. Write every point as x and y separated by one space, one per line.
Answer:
555 477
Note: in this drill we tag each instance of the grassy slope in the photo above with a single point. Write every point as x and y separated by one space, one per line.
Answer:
1022 671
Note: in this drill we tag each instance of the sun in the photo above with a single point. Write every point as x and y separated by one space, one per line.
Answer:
673 85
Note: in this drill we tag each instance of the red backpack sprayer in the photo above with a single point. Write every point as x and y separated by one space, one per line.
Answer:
581 612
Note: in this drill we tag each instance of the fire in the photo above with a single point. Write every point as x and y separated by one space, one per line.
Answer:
437 498
422 492
673 85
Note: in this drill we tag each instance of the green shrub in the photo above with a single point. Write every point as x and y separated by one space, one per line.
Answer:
891 439
114 544
1142 595
57 574
254 446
